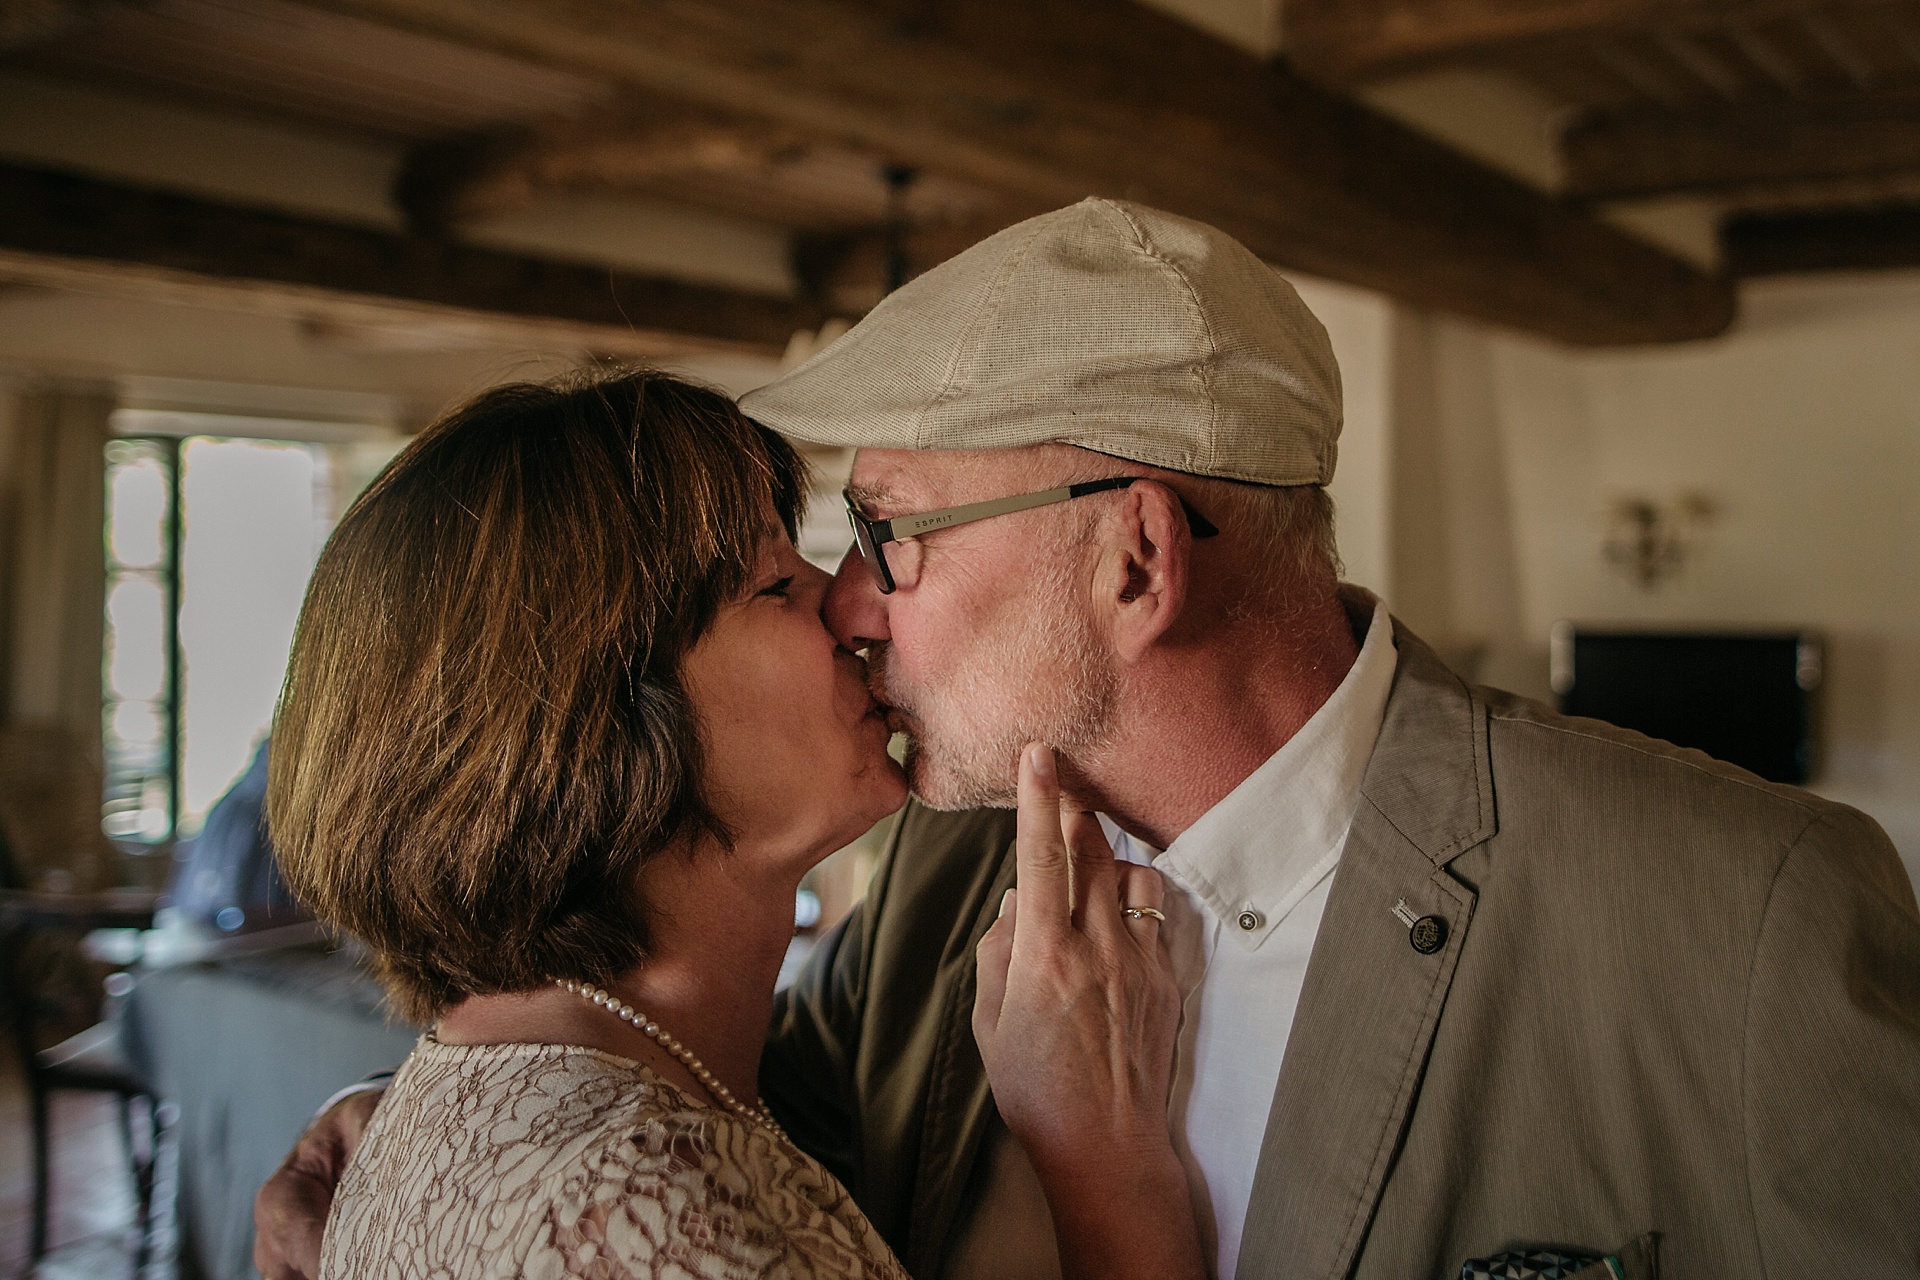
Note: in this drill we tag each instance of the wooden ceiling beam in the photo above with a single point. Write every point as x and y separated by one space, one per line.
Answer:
848 271
1728 147
696 155
1051 100
25 23
83 223
637 140
1343 42
1848 240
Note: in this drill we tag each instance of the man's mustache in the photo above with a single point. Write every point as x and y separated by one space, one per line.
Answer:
884 690
877 654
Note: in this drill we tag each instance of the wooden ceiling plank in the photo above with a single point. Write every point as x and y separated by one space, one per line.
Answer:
26 23
625 145
645 144
1708 69
1644 74
1860 240
1826 194
1346 41
1048 101
1761 53
1836 46
1906 38
1721 147
1572 72
99 226
312 65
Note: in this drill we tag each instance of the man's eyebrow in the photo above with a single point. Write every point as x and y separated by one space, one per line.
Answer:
867 495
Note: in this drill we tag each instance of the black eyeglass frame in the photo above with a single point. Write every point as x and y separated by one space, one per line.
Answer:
872 536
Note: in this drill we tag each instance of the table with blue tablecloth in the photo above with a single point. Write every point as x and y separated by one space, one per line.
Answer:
248 1047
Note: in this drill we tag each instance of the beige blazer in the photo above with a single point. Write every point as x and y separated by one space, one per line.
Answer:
1675 1016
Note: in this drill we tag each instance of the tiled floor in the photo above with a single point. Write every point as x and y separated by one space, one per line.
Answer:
91 1230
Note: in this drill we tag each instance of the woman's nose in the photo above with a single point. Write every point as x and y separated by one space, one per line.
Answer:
854 610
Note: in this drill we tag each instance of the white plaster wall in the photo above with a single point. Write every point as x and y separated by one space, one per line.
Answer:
1804 426
1359 324
1478 468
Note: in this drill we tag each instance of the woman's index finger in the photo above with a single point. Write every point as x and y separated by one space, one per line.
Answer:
1046 876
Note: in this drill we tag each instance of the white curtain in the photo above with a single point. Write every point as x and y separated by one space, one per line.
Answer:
52 599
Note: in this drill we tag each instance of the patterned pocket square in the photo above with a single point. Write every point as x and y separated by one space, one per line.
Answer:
1542 1264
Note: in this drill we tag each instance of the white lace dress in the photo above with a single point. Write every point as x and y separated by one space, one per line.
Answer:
553 1160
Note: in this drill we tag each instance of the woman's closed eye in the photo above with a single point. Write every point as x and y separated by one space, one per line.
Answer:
780 589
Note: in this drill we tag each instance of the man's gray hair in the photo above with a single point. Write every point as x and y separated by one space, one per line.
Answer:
1290 527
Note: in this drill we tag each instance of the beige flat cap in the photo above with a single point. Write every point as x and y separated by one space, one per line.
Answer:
1106 325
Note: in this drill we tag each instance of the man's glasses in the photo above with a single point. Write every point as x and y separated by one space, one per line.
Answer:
872 536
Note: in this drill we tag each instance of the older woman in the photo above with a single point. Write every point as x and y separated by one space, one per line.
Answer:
562 731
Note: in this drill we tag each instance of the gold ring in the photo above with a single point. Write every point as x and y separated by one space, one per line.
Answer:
1141 913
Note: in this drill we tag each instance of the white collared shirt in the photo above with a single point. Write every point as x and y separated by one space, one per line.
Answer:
1247 884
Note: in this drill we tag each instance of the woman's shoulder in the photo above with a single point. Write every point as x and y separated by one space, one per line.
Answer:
693 1182
550 1158
509 1094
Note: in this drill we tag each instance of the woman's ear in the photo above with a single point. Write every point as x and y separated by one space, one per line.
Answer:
1142 581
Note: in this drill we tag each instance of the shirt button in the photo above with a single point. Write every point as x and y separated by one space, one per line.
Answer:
1249 920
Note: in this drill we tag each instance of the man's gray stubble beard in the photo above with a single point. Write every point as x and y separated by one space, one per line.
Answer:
1066 701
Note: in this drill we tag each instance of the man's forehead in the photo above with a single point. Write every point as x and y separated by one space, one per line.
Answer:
894 476
908 477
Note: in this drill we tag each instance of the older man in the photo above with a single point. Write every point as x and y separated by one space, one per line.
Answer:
1471 988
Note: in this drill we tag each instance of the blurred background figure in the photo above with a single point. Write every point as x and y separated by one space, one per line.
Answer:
226 879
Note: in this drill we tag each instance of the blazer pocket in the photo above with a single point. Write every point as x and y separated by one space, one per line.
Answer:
1638 1260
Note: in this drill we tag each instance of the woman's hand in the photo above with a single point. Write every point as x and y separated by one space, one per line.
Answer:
1076 1015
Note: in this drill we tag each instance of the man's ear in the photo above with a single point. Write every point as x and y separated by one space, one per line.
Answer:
1141 585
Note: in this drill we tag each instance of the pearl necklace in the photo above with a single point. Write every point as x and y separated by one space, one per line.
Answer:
757 1113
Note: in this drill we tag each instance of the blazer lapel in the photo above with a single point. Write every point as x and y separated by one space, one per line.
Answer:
1372 998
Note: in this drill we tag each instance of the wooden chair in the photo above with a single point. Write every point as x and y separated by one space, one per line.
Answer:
91 1061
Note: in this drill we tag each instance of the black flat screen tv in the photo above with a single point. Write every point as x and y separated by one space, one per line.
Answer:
1743 697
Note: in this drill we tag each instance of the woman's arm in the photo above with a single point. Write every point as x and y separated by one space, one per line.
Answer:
1076 1016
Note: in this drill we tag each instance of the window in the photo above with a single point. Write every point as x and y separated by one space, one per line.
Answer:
141 694
213 527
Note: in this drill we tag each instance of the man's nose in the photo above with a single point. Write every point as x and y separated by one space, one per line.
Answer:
854 609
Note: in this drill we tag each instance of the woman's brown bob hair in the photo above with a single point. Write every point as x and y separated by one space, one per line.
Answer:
483 732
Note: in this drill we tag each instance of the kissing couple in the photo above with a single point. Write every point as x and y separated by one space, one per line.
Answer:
1227 933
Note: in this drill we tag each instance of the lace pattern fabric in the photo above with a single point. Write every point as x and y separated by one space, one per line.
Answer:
553 1160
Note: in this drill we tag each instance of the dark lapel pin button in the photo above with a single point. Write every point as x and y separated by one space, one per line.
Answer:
1428 935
